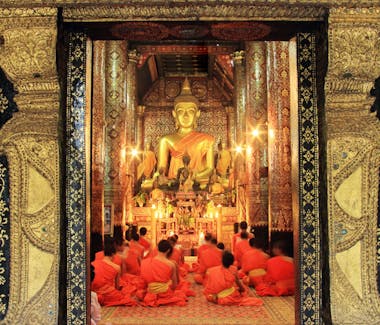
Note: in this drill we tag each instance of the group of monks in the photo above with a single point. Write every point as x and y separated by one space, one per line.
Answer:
136 273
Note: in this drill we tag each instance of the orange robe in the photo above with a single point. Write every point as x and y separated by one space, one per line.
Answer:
196 145
209 258
236 238
104 285
133 259
241 247
279 279
221 288
253 266
177 256
144 243
195 265
158 278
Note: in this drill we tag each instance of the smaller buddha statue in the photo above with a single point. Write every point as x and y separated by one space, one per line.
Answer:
186 141
146 167
215 186
223 160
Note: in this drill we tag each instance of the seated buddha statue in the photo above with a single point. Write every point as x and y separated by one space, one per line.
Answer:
186 141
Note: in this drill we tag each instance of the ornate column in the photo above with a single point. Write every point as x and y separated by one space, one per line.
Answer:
353 162
98 126
239 95
140 109
256 133
231 126
279 163
30 143
240 115
134 133
116 128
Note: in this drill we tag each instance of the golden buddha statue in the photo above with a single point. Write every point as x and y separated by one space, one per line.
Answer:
223 160
186 141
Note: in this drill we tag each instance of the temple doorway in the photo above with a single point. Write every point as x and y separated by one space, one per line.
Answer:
247 88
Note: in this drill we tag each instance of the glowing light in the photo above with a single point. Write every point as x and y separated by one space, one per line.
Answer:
255 133
271 133
122 153
249 151
239 149
134 152
153 206
171 233
201 238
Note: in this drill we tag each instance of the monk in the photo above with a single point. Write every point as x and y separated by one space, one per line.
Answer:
223 286
241 247
135 254
107 276
243 228
161 277
144 243
186 141
203 247
279 279
254 263
209 258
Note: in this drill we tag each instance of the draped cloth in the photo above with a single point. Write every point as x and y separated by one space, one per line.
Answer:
134 256
221 288
209 258
241 247
201 249
236 238
104 285
158 276
177 257
253 266
279 279
147 165
144 243
195 145
224 161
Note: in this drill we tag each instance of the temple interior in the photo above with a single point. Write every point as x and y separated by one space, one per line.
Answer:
248 117
187 118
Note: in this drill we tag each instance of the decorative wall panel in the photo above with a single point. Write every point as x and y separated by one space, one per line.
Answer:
5 236
7 104
309 246
76 181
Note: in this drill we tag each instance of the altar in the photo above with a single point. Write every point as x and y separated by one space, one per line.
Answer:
190 215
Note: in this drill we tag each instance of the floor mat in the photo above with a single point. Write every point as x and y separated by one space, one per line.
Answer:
275 311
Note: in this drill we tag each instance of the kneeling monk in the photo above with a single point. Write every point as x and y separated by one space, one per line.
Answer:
161 276
224 287
279 279
106 281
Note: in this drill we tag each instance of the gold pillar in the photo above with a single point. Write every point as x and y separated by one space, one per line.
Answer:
240 115
231 126
279 162
239 95
353 162
256 78
140 126
116 128
133 133
98 123
30 141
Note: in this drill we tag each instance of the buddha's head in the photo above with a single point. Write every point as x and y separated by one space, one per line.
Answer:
186 110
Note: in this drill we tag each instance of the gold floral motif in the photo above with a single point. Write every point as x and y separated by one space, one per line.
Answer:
353 147
3 102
